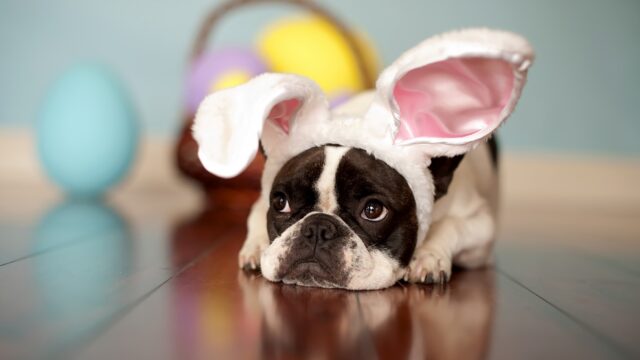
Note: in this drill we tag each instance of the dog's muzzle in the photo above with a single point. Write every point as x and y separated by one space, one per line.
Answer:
317 253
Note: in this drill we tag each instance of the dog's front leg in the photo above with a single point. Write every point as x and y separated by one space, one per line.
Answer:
257 237
431 262
465 241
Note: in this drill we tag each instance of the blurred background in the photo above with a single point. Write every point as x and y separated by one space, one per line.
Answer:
93 92
581 98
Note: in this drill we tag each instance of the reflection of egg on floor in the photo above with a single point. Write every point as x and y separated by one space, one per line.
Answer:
84 253
87 131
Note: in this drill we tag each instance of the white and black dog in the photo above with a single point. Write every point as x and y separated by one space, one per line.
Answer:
365 195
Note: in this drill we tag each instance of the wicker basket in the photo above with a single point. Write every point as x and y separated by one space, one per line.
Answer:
247 184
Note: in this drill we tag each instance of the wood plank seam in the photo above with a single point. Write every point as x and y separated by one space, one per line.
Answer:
76 240
126 309
607 341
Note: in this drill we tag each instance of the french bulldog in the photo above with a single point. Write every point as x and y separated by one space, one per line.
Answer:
398 183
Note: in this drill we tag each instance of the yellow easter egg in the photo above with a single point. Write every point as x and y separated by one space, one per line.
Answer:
313 47
230 79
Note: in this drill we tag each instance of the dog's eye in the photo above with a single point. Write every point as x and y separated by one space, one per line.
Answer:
374 211
280 203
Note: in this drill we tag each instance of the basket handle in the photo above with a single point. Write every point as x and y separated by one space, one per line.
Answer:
214 16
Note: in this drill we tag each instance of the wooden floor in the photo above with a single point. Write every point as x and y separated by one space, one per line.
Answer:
151 274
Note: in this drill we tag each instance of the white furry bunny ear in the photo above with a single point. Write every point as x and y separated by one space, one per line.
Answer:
230 123
453 90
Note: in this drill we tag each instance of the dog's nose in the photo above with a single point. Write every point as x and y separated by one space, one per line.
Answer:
319 228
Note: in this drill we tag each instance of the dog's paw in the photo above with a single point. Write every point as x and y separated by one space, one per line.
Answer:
249 256
429 266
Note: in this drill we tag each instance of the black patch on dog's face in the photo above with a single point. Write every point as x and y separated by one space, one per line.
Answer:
362 178
296 181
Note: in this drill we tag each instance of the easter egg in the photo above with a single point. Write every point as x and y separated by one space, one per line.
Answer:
87 132
220 69
337 99
313 47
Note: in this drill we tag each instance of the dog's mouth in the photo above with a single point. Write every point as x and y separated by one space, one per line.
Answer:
309 272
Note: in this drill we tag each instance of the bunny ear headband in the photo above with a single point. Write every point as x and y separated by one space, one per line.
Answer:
441 98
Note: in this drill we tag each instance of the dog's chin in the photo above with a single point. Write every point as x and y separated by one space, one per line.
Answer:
309 272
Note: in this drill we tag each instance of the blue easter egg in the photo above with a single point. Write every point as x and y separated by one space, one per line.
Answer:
87 131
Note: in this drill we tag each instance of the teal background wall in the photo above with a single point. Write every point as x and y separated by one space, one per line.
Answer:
583 94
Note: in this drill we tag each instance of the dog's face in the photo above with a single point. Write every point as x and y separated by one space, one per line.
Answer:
338 217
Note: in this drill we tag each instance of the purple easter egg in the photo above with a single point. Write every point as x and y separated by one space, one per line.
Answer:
339 98
209 67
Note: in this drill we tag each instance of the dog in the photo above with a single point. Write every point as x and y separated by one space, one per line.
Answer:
399 183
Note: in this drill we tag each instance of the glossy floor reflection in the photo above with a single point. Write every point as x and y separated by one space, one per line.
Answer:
403 322
92 284
63 289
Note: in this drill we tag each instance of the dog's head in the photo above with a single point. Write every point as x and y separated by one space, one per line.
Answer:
339 217
350 192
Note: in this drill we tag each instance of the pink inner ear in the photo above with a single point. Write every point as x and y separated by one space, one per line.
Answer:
453 98
282 113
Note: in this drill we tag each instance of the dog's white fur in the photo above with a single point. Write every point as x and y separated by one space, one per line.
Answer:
327 197
230 123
